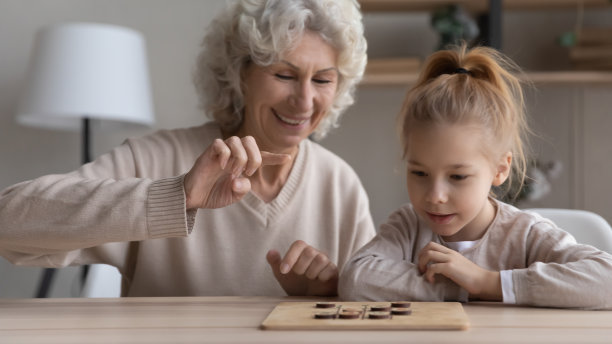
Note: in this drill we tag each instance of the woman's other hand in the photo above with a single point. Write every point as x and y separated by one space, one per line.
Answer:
304 270
219 176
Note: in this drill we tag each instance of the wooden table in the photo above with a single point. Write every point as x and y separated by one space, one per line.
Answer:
237 320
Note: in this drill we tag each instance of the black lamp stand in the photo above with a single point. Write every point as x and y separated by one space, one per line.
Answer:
49 273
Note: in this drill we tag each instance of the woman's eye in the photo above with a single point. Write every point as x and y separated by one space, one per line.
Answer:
283 76
419 173
321 81
458 176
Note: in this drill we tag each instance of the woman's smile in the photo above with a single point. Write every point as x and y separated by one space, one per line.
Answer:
294 122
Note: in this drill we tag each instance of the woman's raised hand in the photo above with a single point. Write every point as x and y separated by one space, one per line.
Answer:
219 176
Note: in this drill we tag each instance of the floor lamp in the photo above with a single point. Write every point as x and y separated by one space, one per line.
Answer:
83 71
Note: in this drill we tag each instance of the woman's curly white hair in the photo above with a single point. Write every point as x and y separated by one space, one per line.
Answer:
261 31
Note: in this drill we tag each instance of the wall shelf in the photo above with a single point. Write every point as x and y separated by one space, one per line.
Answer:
475 5
404 71
571 77
403 78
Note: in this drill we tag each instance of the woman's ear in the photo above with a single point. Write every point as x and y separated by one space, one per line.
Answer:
503 169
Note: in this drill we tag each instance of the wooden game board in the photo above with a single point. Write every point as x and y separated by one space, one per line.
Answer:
424 316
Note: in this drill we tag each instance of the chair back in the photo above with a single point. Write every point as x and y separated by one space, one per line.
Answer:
587 227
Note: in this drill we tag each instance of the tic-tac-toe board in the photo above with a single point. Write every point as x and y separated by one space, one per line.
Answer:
400 315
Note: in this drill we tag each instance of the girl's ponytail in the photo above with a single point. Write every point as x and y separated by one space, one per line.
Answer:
472 86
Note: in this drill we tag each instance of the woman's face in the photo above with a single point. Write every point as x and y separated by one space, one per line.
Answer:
284 102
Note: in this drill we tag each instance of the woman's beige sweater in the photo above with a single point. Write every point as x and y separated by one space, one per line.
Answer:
127 209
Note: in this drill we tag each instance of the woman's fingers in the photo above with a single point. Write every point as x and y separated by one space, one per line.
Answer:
322 269
303 259
253 155
219 176
240 187
330 271
292 256
245 156
239 157
268 158
274 259
222 151
316 266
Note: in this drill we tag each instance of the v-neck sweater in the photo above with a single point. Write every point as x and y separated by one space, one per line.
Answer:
127 209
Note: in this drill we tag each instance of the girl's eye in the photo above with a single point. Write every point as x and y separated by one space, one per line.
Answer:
283 76
459 176
419 173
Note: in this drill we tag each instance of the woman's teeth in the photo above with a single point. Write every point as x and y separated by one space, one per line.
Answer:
291 121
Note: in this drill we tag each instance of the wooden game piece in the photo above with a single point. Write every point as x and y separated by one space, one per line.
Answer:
349 309
325 305
380 308
379 315
400 304
401 311
349 315
325 315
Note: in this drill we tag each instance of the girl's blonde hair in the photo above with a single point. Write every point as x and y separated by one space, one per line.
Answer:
477 86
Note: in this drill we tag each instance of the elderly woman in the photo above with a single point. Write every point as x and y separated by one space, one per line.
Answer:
242 205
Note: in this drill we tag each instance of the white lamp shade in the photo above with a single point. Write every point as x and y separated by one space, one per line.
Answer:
82 70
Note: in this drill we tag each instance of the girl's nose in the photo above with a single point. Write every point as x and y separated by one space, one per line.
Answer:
437 193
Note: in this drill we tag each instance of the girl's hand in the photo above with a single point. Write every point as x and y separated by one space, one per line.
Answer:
480 283
219 176
304 271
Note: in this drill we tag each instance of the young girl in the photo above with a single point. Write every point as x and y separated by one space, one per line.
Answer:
462 129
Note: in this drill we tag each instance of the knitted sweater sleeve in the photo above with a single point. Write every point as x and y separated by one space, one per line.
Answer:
56 220
386 269
562 273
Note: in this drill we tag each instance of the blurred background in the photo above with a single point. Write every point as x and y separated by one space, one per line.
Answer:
570 109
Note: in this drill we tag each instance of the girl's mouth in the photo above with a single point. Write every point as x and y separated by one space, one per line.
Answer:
440 218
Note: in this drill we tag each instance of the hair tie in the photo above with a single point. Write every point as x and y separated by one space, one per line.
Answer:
462 71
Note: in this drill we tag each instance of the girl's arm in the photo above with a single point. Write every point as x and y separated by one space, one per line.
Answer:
384 269
562 273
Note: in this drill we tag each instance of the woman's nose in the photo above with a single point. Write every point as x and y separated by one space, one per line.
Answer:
303 97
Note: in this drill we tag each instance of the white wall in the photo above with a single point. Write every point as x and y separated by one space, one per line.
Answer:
173 31
366 138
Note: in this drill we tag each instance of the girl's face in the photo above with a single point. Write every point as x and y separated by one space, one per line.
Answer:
449 179
286 101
